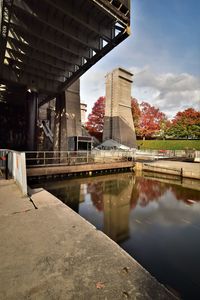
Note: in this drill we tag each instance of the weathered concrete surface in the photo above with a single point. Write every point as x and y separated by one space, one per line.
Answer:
53 253
118 120
67 116
39 171
189 170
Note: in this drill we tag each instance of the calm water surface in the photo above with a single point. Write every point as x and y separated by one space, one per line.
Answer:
155 222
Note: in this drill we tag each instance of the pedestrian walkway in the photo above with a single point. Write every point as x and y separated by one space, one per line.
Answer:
50 252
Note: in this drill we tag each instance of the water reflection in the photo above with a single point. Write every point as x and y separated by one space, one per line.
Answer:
115 196
156 220
116 202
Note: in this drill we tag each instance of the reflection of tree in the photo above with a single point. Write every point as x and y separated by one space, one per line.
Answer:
111 187
134 196
146 190
143 191
95 189
184 194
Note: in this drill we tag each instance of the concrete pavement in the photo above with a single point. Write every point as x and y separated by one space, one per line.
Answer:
53 253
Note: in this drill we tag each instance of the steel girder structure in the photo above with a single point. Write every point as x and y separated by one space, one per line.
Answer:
47 45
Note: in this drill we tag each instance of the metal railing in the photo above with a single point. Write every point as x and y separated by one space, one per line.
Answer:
71 158
167 153
55 158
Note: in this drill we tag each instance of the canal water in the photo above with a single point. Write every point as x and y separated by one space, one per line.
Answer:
157 221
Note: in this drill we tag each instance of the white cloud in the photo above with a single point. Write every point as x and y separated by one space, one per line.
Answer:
92 87
169 92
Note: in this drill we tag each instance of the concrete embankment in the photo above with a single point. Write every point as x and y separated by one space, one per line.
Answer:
84 168
183 169
53 253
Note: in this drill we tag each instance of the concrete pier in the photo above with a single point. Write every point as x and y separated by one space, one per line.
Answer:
118 120
183 169
53 253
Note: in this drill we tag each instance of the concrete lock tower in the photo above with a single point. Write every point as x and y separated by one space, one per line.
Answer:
118 120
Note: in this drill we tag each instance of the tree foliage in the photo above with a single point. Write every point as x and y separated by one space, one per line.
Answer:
151 120
135 108
186 124
95 121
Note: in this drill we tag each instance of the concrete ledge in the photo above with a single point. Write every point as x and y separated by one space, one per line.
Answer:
53 253
40 171
183 169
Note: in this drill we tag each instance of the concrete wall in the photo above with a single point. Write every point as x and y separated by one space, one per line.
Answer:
17 169
118 121
67 116
72 102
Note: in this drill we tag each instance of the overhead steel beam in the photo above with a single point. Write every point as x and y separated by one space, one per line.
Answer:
109 6
27 80
68 8
45 46
60 66
30 62
52 39
34 70
49 35
6 11
58 24
118 39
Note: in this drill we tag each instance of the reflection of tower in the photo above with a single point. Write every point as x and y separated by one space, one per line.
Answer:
118 120
116 199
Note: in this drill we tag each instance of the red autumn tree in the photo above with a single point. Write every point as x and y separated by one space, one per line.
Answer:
186 124
135 108
148 120
95 121
151 120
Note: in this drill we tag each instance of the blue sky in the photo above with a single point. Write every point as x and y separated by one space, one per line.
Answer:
163 52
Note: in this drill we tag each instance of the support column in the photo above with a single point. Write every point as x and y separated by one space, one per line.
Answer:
60 124
32 117
67 117
118 120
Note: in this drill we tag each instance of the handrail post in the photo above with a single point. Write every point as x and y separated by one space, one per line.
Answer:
6 169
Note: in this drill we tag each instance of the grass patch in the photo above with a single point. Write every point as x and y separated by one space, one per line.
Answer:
169 144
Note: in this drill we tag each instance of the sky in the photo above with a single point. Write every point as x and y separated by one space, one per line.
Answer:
163 53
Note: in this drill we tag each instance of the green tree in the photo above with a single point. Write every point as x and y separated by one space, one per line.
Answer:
186 124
